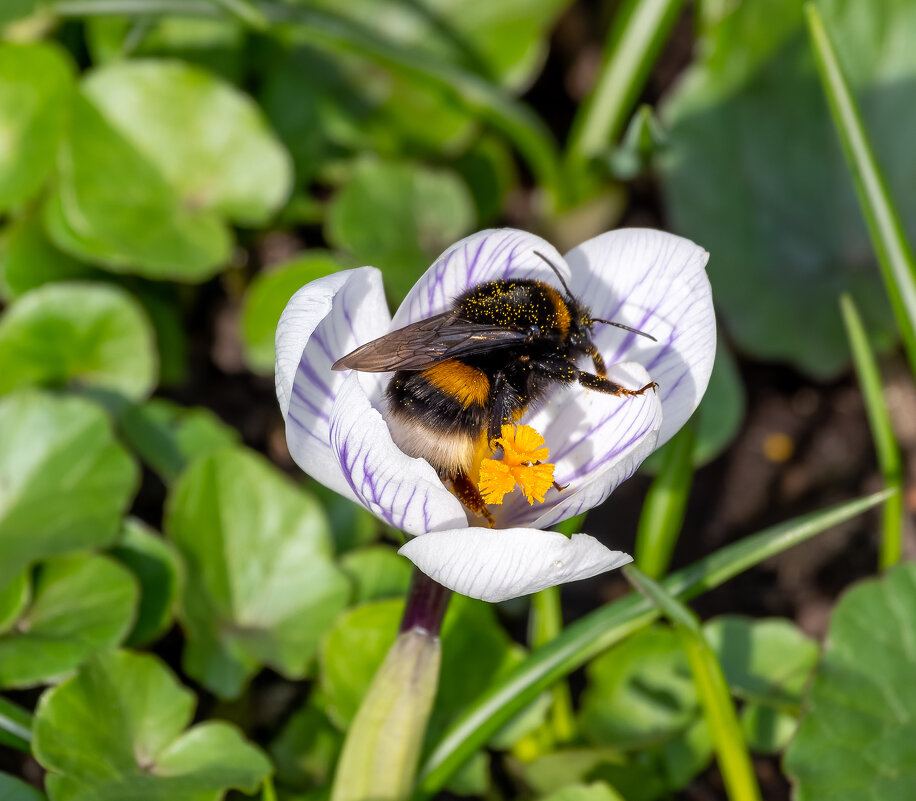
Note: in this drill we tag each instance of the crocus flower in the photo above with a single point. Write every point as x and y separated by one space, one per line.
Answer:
335 421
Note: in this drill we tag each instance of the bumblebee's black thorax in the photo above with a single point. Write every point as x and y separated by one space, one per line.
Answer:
457 396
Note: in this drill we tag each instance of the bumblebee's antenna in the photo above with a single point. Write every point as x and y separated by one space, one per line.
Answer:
555 270
624 327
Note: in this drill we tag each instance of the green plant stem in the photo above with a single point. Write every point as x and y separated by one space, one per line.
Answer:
640 29
15 726
895 256
731 747
663 512
889 458
491 104
594 633
546 625
268 791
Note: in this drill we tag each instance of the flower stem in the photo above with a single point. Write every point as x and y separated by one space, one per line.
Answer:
382 749
427 601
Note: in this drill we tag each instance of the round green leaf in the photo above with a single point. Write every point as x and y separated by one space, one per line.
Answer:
157 567
858 736
80 605
765 661
266 298
209 141
261 585
114 207
168 436
754 172
306 749
767 730
138 748
640 692
35 84
399 217
28 259
91 335
61 449
377 573
12 789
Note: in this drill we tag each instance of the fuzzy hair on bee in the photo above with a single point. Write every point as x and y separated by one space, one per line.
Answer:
494 355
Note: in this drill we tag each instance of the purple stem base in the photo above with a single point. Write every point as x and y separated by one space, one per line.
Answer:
426 605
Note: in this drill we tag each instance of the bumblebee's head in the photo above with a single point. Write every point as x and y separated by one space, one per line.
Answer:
580 332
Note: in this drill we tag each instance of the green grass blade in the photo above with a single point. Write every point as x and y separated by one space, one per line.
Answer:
546 625
640 30
718 708
518 123
895 256
889 458
663 512
15 726
594 633
246 12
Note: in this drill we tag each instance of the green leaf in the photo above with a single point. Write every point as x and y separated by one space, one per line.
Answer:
786 233
12 789
208 140
399 217
36 81
139 748
168 436
217 45
766 729
60 449
895 255
307 748
113 207
266 298
157 567
639 693
592 634
882 432
489 170
765 661
15 726
80 605
858 736
377 573
83 335
505 41
585 792
14 598
28 259
261 586
475 649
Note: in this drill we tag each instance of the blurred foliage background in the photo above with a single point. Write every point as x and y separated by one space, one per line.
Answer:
171 171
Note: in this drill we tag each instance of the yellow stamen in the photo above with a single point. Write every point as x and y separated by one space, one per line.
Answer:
522 463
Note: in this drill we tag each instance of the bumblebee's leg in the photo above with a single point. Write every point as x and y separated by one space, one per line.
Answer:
501 406
566 372
470 496
602 384
598 361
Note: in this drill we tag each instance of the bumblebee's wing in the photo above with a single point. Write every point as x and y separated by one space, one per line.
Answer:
422 344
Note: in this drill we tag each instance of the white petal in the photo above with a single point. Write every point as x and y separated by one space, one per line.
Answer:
655 282
596 442
323 321
484 256
498 564
403 491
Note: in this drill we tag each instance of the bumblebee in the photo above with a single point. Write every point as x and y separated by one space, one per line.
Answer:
496 354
